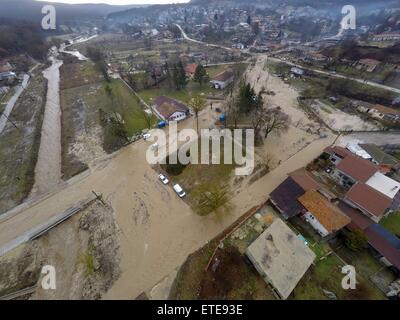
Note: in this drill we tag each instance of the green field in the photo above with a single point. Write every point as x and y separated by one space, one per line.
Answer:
326 274
392 223
184 95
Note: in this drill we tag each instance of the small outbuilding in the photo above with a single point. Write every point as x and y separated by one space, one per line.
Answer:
281 257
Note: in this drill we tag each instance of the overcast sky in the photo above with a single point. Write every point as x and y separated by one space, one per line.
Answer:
119 2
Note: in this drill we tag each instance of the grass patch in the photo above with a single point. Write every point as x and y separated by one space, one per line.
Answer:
192 90
392 223
326 274
197 179
88 262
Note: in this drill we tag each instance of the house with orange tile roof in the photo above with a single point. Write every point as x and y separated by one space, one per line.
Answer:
325 217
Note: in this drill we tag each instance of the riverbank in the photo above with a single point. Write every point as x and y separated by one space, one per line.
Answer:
19 146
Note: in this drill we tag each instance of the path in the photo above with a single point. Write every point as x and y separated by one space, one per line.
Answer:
12 102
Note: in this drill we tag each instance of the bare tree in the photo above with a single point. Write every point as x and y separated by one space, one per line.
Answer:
197 104
267 120
277 121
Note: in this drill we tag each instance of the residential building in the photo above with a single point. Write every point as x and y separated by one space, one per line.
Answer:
297 71
169 109
284 197
369 190
190 70
280 257
379 157
365 198
223 79
349 168
5 66
7 75
316 57
378 111
383 242
368 65
325 217
387 36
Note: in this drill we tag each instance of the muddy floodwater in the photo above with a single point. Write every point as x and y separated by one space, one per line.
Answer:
48 166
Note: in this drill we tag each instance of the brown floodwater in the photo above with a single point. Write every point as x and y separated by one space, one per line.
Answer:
48 166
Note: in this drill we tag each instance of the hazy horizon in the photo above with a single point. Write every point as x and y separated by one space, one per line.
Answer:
117 2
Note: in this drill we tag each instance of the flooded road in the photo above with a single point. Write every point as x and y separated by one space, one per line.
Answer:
12 102
74 53
157 230
48 166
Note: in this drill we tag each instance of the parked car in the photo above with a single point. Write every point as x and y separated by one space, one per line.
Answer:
146 136
178 189
163 179
155 146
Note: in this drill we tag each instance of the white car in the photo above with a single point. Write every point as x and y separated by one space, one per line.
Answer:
146 136
163 179
154 147
178 189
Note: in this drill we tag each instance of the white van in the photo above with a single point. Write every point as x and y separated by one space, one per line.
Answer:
178 189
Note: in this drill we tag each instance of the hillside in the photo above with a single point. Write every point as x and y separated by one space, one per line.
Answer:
31 10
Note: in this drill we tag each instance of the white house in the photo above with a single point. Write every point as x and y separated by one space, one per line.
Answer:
223 79
169 109
325 217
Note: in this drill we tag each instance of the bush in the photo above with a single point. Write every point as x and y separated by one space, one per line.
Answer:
356 241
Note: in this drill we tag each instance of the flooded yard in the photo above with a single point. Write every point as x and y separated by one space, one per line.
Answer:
338 120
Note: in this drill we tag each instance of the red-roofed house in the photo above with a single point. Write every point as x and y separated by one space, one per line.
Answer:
190 70
370 191
371 202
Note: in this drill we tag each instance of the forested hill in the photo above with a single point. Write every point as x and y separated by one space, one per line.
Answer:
31 10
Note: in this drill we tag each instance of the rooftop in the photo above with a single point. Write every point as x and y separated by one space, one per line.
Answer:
304 179
191 68
330 216
385 243
285 198
379 155
358 219
281 257
223 76
167 106
370 62
342 152
357 168
385 110
369 199
384 184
